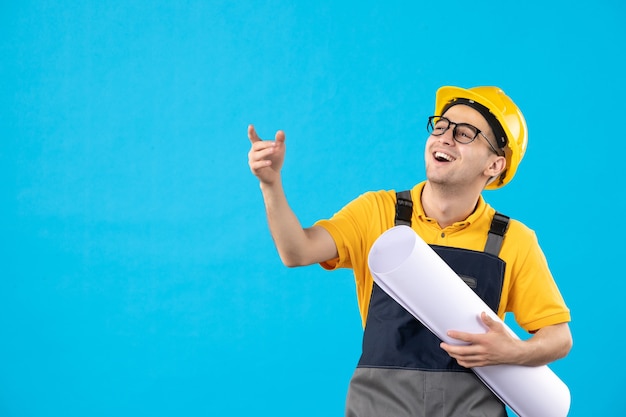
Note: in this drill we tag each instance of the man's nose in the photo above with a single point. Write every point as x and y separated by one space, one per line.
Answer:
448 136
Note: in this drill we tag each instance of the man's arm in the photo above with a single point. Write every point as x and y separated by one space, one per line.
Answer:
498 347
296 245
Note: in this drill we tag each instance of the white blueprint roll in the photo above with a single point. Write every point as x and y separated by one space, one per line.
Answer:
405 267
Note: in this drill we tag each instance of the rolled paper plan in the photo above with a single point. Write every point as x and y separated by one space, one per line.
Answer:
412 273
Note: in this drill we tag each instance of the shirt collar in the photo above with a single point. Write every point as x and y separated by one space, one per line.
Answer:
416 195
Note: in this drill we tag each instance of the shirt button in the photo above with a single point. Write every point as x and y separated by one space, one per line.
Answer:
443 234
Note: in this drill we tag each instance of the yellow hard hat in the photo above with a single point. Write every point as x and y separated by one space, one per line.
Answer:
509 122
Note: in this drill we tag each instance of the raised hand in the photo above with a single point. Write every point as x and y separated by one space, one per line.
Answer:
266 157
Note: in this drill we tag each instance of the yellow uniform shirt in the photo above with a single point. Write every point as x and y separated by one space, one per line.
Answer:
529 290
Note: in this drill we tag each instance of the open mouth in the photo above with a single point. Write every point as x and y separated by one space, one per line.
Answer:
443 157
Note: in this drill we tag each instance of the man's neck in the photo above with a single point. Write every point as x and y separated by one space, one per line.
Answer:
446 205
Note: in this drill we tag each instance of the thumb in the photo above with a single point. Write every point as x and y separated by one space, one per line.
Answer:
489 322
280 136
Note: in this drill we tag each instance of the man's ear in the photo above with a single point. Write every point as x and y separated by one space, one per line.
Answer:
496 166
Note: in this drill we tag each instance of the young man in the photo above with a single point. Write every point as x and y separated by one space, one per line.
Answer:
477 139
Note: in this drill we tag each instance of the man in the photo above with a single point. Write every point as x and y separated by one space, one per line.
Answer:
477 139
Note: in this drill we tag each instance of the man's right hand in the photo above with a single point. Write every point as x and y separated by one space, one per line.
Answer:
296 246
266 157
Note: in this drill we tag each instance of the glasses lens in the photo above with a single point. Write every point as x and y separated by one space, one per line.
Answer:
437 126
465 133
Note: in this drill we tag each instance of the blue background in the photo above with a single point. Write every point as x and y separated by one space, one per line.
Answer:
137 274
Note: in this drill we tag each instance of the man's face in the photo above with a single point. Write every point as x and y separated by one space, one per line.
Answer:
449 162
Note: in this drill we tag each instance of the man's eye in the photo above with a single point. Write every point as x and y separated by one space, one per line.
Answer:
465 132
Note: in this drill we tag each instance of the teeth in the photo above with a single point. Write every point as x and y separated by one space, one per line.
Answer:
441 155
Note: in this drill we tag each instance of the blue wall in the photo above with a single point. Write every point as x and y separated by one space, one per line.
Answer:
137 274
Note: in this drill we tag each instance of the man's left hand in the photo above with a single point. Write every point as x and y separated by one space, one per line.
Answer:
495 347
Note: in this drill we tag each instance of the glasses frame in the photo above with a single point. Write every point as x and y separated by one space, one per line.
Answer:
430 127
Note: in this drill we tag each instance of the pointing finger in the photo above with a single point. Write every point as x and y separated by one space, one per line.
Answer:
252 135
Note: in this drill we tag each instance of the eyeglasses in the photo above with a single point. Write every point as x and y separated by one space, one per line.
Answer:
461 132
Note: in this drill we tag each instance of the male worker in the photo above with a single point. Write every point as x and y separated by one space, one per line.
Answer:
477 139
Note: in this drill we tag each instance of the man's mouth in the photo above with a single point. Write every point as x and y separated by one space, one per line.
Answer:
443 157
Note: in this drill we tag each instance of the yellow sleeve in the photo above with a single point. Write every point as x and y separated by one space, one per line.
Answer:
533 295
354 229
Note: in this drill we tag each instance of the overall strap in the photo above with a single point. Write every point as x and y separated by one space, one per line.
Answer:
499 224
404 208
